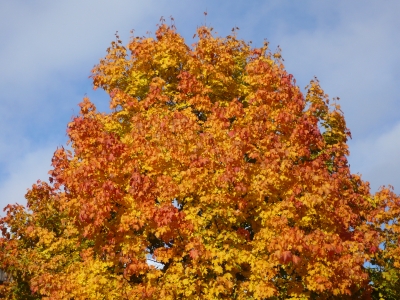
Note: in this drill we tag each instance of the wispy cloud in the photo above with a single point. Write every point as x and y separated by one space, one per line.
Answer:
23 173
355 57
377 159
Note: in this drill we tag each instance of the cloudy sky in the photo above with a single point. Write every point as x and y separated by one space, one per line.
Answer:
48 48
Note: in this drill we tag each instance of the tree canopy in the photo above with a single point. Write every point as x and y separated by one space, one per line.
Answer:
213 177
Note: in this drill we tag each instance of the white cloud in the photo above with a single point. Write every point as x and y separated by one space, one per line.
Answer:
377 159
355 58
59 38
23 173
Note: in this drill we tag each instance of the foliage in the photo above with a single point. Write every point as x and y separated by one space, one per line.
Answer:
213 177
385 274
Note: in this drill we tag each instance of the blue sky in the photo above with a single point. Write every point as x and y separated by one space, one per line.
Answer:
48 48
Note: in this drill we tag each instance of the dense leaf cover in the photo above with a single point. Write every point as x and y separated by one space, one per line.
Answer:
213 177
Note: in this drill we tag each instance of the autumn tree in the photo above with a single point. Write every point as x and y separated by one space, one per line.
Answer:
213 177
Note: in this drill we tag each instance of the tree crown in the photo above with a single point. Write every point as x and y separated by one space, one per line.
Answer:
213 177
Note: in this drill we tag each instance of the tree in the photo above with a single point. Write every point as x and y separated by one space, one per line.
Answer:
213 177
